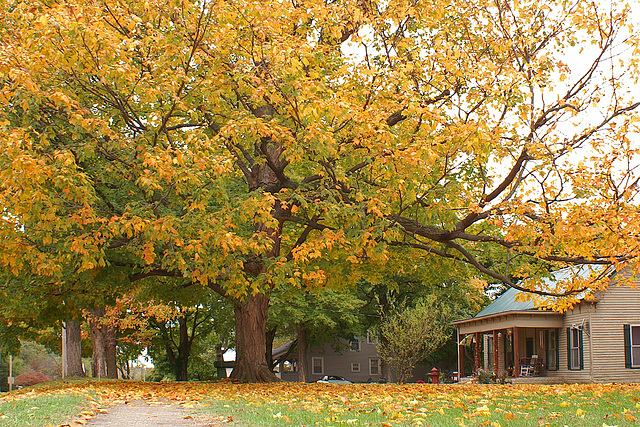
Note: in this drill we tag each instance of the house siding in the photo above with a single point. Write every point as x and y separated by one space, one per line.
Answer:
619 306
576 317
603 337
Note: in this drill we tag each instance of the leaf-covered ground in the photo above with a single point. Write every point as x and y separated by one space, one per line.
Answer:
355 405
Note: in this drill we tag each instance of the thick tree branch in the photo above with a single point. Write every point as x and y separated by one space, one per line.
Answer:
508 180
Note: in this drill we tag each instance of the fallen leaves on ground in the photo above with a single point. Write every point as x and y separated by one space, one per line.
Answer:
396 404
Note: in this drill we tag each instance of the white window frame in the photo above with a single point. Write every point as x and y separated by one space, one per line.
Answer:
355 345
634 345
378 366
355 366
313 365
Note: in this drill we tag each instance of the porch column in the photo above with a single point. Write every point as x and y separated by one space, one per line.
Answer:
476 353
460 356
516 353
496 362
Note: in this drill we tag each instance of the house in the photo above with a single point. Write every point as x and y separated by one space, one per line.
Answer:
596 341
357 361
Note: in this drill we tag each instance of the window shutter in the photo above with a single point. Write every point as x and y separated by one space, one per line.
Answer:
569 348
627 346
557 349
546 346
581 349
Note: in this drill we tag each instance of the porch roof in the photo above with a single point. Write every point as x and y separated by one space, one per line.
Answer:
507 312
511 319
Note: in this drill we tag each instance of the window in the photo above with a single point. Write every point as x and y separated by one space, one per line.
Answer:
374 367
355 367
529 348
317 366
354 345
632 346
574 345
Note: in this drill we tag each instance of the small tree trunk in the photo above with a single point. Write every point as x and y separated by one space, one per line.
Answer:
74 349
302 353
97 340
125 371
251 321
221 371
109 333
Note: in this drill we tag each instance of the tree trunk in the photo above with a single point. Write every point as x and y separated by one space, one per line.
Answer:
302 353
74 349
97 340
182 373
109 333
184 349
251 322
271 334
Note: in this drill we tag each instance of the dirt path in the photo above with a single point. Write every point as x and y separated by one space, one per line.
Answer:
139 413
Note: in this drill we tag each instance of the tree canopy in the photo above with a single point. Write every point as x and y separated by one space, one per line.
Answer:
256 145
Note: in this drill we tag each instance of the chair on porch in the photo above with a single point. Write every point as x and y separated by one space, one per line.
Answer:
529 366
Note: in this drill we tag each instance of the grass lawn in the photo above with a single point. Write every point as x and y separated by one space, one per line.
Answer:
384 405
40 406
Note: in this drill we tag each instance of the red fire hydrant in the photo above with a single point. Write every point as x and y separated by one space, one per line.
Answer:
435 376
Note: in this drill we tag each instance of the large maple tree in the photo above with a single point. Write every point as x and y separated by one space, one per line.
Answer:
250 145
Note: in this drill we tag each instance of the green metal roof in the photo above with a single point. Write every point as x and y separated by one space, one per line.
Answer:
506 302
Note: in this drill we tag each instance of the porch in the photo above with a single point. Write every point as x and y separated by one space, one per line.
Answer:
519 344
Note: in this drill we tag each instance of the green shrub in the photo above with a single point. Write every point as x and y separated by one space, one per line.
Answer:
486 376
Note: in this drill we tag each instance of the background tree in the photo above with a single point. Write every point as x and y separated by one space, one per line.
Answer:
175 319
402 285
248 147
413 333
316 317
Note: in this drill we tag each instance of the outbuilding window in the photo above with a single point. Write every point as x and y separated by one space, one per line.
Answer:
374 366
317 366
